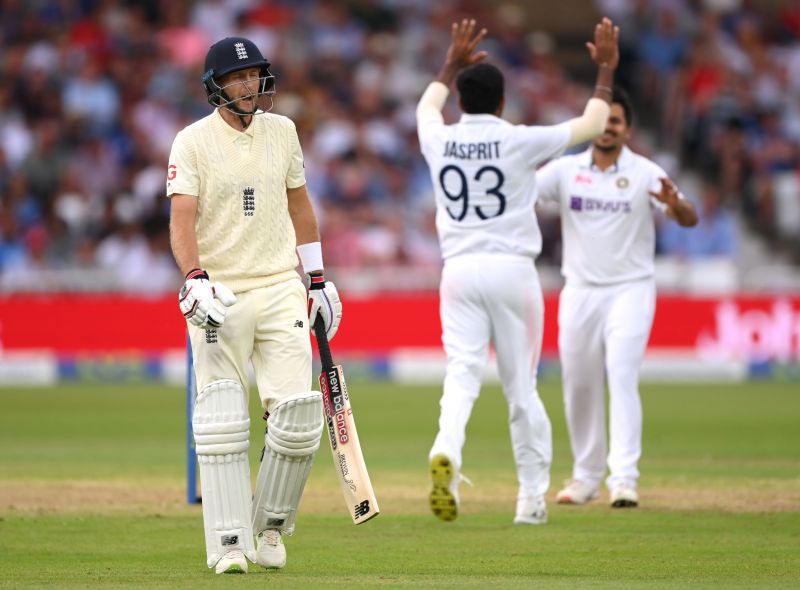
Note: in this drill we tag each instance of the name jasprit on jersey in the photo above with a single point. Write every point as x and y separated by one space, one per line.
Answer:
483 150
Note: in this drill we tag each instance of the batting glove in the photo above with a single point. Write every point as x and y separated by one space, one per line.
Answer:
203 303
323 300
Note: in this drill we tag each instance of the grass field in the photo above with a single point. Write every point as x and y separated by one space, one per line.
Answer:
92 496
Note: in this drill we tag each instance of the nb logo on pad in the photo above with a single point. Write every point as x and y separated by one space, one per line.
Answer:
228 540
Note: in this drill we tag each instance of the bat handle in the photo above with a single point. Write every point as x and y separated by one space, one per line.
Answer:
322 344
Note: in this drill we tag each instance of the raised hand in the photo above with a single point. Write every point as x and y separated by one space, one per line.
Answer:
605 49
463 44
461 52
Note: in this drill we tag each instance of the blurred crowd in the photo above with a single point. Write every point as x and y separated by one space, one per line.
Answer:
92 93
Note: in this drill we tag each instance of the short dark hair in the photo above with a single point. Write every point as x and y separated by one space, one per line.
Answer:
480 88
621 97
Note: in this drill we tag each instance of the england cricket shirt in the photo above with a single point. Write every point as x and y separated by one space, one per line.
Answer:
245 235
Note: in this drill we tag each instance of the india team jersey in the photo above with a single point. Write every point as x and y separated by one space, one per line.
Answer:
245 236
606 216
483 172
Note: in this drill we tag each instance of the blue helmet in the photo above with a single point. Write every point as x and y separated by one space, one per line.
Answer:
229 55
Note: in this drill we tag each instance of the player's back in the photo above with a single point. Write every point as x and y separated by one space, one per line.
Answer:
483 173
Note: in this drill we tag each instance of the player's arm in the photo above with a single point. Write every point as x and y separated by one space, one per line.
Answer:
460 54
605 53
304 219
323 298
677 207
547 182
182 235
197 296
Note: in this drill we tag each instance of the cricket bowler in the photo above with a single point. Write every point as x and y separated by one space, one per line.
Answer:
484 177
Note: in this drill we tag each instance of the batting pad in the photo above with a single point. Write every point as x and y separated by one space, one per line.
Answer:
221 425
294 430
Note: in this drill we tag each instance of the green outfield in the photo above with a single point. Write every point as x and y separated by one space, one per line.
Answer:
92 496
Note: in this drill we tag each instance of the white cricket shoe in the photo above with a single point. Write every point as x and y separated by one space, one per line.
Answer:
270 551
531 509
444 495
233 562
624 497
576 492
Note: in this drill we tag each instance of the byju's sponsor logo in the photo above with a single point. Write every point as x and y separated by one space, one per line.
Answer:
589 204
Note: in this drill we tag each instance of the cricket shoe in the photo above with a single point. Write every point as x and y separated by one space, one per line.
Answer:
270 552
531 509
444 495
576 492
233 562
624 497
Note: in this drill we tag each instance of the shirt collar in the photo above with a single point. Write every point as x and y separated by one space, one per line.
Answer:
624 159
235 133
480 118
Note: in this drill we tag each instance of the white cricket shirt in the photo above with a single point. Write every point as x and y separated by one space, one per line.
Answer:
245 235
484 173
607 223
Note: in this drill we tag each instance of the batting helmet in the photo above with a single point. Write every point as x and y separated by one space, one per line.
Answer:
229 55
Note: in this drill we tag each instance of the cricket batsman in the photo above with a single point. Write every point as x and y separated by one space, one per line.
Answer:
240 217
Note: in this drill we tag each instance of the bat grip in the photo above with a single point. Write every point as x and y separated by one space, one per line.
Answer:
322 343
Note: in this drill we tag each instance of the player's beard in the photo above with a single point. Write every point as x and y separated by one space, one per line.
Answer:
612 146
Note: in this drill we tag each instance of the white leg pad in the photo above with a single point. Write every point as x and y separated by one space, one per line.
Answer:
294 430
221 424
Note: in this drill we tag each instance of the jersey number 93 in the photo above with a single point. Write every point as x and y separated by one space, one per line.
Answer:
462 194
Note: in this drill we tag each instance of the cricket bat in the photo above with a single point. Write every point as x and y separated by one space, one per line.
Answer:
348 460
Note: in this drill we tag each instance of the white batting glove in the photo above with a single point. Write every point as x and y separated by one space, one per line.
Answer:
323 300
203 303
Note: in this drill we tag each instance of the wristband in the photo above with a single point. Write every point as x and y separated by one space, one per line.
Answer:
316 282
604 89
310 256
196 273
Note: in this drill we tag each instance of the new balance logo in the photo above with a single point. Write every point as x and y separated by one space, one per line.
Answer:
361 509
298 324
228 540
211 336
241 52
249 201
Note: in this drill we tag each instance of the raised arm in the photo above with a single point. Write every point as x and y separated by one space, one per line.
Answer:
460 54
605 53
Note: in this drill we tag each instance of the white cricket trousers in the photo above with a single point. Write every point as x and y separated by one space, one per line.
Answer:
497 299
268 327
604 328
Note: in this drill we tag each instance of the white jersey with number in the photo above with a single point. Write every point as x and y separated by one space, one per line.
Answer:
483 172
245 235
606 216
